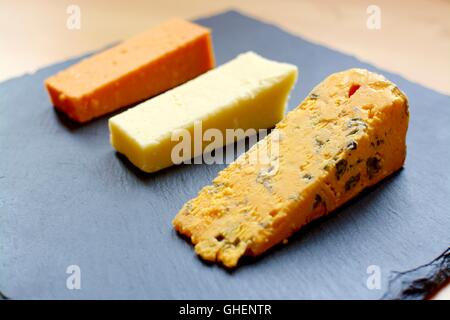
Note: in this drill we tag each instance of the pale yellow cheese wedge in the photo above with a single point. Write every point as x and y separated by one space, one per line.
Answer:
247 92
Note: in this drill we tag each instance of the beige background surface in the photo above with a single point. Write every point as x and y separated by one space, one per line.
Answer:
414 39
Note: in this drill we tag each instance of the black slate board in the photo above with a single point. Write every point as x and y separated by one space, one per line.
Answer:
66 198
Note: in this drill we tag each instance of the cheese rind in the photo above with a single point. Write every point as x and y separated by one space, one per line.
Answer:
347 135
136 69
227 97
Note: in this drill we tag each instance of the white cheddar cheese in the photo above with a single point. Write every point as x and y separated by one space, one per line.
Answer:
247 92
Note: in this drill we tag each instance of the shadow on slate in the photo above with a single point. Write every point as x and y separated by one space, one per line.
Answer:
66 199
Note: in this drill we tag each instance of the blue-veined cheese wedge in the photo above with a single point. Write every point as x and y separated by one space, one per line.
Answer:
347 135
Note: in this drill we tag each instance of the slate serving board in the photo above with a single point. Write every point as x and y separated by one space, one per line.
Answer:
66 198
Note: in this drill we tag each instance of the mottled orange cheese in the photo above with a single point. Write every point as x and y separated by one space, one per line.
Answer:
347 135
136 69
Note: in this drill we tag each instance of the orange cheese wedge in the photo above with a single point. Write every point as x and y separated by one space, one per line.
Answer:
138 68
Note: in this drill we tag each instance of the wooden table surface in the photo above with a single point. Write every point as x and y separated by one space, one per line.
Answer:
413 39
